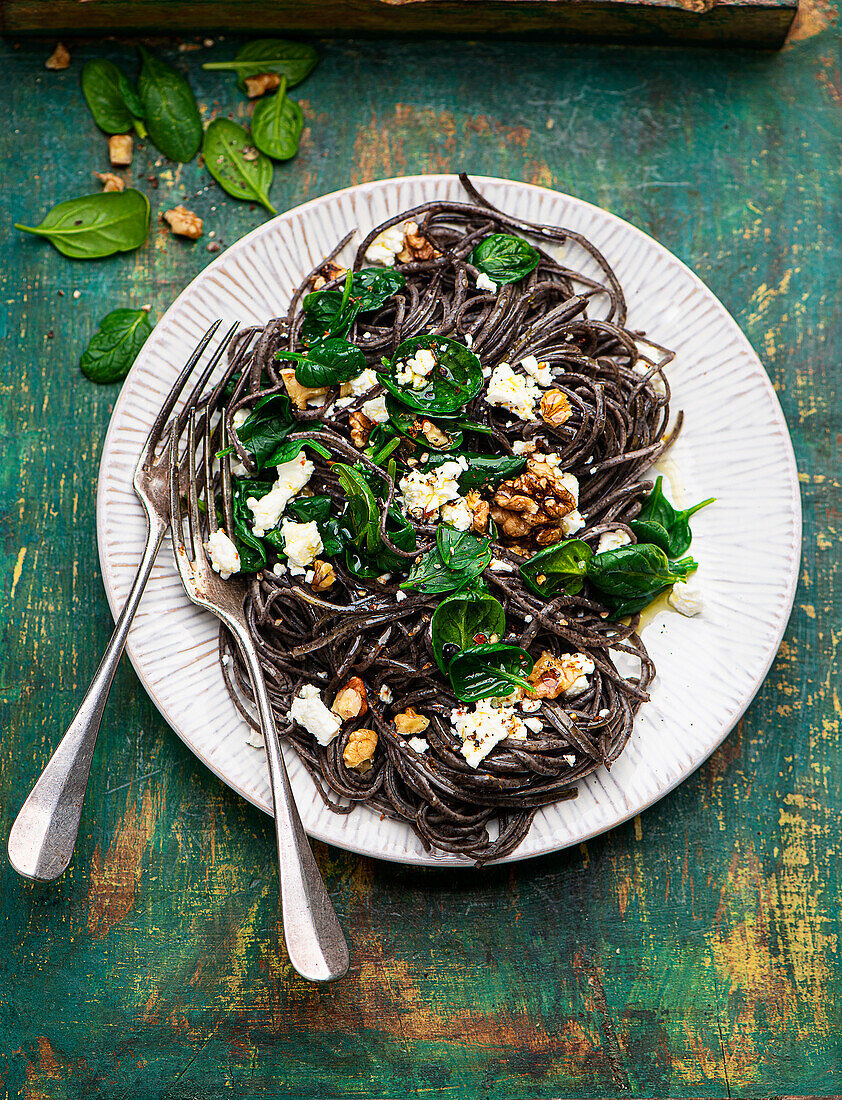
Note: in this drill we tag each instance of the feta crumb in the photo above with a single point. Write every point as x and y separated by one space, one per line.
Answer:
497 565
511 391
302 542
356 387
686 597
415 371
224 556
457 514
486 727
418 743
523 446
612 540
279 569
569 758
400 595
572 522
385 694
376 410
604 712
539 371
469 340
386 245
530 706
584 666
239 418
534 725
226 660
292 476
485 283
423 493
309 711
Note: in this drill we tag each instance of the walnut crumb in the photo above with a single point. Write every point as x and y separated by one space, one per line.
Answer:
410 723
324 575
110 181
120 150
327 273
551 675
184 222
299 394
351 700
359 751
555 407
360 428
416 247
533 504
261 83
59 58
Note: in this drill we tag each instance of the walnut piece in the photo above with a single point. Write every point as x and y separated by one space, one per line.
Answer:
110 182
299 394
533 503
433 434
351 701
324 576
555 407
551 675
59 58
261 83
416 247
359 751
360 428
120 150
410 723
479 509
327 273
184 222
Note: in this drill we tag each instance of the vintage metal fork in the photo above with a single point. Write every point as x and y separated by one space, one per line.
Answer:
314 939
44 834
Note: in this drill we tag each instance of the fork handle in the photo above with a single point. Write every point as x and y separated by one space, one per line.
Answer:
44 834
314 939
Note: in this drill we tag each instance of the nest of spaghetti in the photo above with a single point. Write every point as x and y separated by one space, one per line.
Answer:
438 470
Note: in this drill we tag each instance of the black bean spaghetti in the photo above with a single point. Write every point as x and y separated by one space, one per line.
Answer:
547 442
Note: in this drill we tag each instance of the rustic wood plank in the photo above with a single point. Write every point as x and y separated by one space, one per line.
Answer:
691 953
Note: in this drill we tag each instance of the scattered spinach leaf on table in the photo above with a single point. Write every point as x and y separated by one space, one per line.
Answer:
115 345
504 258
276 125
112 98
225 146
293 60
170 110
93 226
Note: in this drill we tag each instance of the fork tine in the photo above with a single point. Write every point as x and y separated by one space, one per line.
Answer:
207 456
201 382
176 519
227 498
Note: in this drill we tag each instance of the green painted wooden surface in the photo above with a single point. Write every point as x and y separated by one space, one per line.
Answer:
690 953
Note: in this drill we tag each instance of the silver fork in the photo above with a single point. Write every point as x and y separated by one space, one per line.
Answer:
314 939
43 836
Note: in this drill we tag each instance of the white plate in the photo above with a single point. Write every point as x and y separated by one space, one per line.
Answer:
735 447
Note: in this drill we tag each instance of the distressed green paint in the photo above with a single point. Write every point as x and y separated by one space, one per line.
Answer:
692 953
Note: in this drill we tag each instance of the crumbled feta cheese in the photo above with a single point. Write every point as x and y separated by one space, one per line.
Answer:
512 391
309 711
386 245
400 595
569 758
376 410
343 402
414 372
223 554
226 660
469 340
423 493
604 712
539 371
457 514
530 706
572 522
522 446
292 477
418 743
686 597
570 483
485 283
239 418
385 694
356 387
534 725
497 565
612 540
279 569
302 541
584 666
486 727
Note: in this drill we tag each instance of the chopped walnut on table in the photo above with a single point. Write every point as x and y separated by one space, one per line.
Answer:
360 428
59 58
184 222
110 181
555 407
416 247
324 576
552 675
359 751
120 148
299 394
327 273
351 701
261 83
533 504
410 722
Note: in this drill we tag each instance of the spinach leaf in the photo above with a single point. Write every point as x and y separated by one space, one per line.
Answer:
453 381
630 577
409 424
292 448
332 312
115 345
276 125
249 546
293 60
431 574
563 568
401 533
363 511
482 468
465 620
485 670
460 550
224 150
96 225
170 110
112 98
326 363
270 422
504 258
660 523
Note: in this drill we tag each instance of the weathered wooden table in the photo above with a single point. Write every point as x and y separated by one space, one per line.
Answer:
690 953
